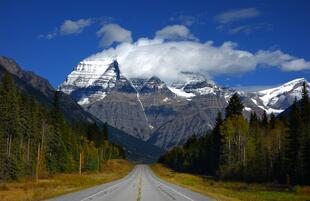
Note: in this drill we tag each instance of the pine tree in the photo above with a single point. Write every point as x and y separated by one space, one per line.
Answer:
36 140
253 118
272 121
305 113
264 120
217 140
9 119
235 106
57 155
293 153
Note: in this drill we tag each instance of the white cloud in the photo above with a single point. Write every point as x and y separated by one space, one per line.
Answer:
74 27
166 59
68 27
175 32
237 15
296 65
112 33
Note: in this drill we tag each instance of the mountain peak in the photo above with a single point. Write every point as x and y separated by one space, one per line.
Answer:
153 84
286 87
10 65
113 69
155 79
277 99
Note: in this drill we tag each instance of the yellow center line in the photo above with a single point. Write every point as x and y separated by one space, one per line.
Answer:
139 186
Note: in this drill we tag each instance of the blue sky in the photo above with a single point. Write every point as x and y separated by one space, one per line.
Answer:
32 33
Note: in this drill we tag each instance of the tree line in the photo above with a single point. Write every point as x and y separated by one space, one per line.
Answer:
266 149
37 141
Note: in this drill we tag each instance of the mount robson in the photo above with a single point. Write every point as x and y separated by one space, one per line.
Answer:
161 114
147 116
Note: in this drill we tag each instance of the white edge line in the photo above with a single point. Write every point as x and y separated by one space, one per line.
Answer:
171 188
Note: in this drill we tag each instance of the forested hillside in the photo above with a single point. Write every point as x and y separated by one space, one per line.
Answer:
37 141
269 149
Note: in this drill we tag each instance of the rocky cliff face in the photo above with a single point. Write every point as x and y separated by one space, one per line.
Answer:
164 115
111 97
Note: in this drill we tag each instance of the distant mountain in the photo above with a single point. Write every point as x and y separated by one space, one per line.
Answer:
43 92
277 99
161 114
149 109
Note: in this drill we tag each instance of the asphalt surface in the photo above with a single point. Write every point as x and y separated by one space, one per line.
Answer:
140 185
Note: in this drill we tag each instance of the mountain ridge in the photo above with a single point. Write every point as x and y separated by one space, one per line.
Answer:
154 111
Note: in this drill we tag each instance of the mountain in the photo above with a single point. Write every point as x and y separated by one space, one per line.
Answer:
149 109
158 113
111 97
277 99
39 88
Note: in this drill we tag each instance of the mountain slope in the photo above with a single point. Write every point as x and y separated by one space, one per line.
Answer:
111 97
277 99
41 89
43 92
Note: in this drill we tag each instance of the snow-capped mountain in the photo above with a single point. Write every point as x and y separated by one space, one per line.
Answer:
195 84
277 99
85 74
162 114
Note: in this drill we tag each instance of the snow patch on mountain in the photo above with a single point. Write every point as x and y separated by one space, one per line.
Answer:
85 74
271 95
181 92
277 99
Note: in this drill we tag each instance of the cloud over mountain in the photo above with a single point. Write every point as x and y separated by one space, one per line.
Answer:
167 58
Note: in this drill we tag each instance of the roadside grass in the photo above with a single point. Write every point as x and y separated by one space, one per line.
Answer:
30 190
232 191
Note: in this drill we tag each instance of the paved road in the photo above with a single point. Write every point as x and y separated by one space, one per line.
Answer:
140 185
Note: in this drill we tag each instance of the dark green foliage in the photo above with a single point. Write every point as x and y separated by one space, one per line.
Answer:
272 121
235 106
217 142
261 150
37 139
264 119
293 152
305 143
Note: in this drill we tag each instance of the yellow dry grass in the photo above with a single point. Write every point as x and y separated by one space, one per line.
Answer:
29 190
232 191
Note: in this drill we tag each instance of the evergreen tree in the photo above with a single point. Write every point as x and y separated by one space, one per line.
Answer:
305 113
264 120
253 118
217 140
293 154
235 106
272 121
36 140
